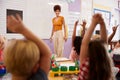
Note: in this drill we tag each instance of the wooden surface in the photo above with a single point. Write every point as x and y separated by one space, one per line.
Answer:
55 78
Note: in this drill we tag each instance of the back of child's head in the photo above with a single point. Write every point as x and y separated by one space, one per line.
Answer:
77 44
20 57
100 65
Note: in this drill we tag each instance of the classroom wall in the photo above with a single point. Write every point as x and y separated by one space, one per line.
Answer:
10 4
110 5
37 15
67 47
87 10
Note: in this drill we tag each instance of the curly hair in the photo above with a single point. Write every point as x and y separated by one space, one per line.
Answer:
57 7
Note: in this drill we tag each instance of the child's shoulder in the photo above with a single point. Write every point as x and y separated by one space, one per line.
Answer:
39 75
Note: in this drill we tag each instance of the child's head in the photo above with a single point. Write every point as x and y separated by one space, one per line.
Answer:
118 44
20 57
100 65
77 43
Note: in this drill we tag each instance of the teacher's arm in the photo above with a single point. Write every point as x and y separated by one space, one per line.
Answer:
65 37
51 37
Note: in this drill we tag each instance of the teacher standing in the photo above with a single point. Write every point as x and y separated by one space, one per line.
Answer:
57 32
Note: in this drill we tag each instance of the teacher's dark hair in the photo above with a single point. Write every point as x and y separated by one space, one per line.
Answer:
57 7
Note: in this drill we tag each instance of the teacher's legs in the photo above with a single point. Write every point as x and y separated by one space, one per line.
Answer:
58 43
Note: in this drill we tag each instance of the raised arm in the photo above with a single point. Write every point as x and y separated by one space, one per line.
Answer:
113 33
74 32
87 37
103 31
16 25
84 26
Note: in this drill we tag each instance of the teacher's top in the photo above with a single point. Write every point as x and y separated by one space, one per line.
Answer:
57 23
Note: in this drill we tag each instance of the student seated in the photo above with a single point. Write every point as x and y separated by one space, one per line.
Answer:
114 29
116 49
76 42
117 45
25 59
95 62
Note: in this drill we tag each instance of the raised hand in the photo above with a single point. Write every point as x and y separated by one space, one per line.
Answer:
97 19
76 23
114 28
15 24
83 23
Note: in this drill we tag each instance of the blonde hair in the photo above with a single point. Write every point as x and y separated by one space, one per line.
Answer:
20 57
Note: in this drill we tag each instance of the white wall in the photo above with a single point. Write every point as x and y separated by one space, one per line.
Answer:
9 4
37 15
86 10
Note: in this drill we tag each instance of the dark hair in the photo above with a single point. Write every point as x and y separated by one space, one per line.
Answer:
119 41
100 65
77 44
57 7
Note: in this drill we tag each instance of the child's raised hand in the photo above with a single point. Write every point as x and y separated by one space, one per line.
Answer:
97 18
114 28
83 23
76 23
15 24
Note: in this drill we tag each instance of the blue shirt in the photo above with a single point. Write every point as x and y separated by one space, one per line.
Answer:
39 75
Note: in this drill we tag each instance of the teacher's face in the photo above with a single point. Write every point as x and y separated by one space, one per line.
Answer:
57 12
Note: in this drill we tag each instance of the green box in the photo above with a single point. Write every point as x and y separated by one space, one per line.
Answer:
63 68
55 69
72 68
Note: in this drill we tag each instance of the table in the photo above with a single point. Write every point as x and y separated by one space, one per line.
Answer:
60 78
55 78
